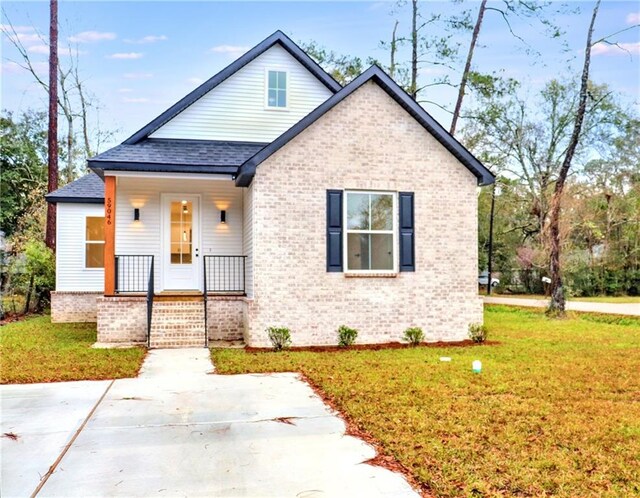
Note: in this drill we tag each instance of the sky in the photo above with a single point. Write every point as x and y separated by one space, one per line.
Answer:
138 58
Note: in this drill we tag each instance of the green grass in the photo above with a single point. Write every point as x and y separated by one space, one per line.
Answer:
594 299
556 410
35 350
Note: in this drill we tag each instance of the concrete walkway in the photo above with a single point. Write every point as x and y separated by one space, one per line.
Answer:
632 309
176 430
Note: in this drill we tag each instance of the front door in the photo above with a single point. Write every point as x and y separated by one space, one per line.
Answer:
181 242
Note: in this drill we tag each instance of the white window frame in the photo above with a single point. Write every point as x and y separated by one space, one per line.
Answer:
346 231
84 247
266 88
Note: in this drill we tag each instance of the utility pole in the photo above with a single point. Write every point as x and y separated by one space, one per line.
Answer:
490 265
52 137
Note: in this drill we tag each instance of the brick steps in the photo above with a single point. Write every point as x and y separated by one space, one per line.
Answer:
178 323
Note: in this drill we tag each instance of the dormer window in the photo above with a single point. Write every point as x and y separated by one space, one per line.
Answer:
277 89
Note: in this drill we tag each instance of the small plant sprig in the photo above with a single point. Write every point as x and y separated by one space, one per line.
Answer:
413 335
478 332
346 336
280 337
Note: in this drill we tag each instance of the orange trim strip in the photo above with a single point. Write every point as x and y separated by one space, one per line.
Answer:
109 235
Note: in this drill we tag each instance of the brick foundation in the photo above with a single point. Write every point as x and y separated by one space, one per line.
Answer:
74 306
122 319
225 318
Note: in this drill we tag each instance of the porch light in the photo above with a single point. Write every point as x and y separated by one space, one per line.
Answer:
223 216
136 214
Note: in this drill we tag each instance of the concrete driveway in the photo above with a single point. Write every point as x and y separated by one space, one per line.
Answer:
177 430
631 309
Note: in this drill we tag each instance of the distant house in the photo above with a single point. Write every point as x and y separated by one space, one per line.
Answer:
272 195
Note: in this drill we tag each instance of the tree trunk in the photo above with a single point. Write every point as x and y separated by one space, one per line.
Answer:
414 50
52 138
557 303
29 292
467 67
394 46
69 169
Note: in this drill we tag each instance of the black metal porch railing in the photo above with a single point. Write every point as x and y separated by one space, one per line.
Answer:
224 274
134 274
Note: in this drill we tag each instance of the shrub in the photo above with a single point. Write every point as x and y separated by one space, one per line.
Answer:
413 335
346 336
478 332
280 338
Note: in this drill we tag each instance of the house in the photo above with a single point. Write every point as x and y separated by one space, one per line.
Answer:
273 196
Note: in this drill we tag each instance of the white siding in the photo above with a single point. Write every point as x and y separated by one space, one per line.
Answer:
144 237
71 275
248 238
235 109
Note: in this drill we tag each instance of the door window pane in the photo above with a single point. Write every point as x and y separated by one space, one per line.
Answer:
181 232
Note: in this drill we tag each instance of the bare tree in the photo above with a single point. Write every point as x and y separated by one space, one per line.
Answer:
52 138
467 66
557 303
413 89
393 48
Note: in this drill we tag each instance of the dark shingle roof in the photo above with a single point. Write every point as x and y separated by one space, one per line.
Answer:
168 154
87 189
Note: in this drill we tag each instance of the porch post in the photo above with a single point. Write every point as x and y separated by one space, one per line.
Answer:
109 235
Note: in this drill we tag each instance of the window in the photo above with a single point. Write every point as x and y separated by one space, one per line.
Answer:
181 232
94 242
277 89
370 231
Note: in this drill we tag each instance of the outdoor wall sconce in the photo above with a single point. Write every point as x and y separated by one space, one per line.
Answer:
223 216
136 214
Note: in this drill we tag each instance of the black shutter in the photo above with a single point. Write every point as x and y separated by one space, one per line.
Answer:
334 230
407 232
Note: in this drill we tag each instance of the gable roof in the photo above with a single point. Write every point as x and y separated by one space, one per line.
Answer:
276 38
374 73
176 155
88 189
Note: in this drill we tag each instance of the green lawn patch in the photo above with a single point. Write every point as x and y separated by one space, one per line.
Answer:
556 410
36 350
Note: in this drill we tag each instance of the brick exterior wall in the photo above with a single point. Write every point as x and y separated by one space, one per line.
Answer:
74 306
366 142
225 318
122 319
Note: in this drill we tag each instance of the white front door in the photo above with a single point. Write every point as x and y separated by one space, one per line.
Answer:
181 242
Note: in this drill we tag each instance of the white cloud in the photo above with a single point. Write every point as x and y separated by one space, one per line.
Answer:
11 67
234 50
135 100
148 39
62 51
40 49
138 76
125 90
17 29
632 48
92 36
195 81
126 56
633 18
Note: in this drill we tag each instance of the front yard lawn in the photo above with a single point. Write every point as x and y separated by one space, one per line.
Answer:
556 410
36 350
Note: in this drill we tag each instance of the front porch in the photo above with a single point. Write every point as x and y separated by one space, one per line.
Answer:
175 270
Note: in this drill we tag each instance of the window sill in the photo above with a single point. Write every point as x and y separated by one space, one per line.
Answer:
369 275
